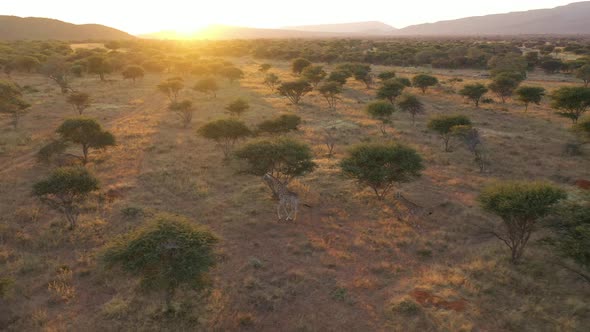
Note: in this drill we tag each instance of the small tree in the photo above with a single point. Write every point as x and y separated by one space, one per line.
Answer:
520 205
133 73
184 110
232 73
411 104
386 75
571 102
299 64
171 87
314 74
237 107
583 73
474 92
530 94
443 125
362 73
80 101
424 81
225 132
86 132
283 158
390 90
58 70
271 80
11 101
339 76
503 85
263 68
166 253
382 111
284 123
331 91
381 166
99 65
65 189
470 136
295 90
207 86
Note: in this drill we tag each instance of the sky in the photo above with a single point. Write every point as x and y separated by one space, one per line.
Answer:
147 16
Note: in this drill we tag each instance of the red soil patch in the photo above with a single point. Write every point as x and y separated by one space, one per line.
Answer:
583 184
428 299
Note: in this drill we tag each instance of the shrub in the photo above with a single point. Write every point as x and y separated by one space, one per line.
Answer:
423 82
65 189
390 90
232 73
207 86
411 104
50 150
86 132
571 102
298 65
272 81
331 91
381 166
225 132
443 125
503 85
133 73
530 94
171 87
283 158
386 75
314 74
382 111
282 124
474 92
11 101
339 76
520 205
166 253
80 101
470 136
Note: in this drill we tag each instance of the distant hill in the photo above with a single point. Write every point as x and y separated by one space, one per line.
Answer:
35 28
367 28
569 19
233 32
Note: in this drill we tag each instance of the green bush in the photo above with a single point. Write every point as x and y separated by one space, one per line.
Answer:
443 125
282 124
225 132
86 132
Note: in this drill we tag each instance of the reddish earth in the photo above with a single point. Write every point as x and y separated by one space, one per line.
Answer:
583 184
426 298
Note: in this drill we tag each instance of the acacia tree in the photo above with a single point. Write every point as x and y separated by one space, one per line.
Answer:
362 73
237 107
339 76
471 138
503 85
583 73
530 94
571 102
314 74
99 65
411 104
474 92
299 64
11 101
207 86
65 189
184 110
386 75
390 90
167 253
271 80
284 123
295 90
86 132
58 70
133 73
381 166
226 133
444 124
331 91
263 68
520 205
283 158
171 87
80 101
423 82
382 111
232 73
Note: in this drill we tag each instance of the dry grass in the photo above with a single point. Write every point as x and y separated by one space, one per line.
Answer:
346 264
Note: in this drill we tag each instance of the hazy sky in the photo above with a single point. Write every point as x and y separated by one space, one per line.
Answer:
150 16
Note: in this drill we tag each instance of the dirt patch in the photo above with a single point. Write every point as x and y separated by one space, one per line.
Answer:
427 299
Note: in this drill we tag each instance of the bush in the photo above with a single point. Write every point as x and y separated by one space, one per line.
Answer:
382 111
381 166
424 81
166 253
65 189
184 110
86 132
225 132
443 125
299 65
330 90
411 104
80 101
530 94
207 85
520 205
571 102
237 107
390 90
282 124
474 92
283 158
50 150
133 73
295 90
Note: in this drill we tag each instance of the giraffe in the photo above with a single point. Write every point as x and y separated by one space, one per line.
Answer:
408 210
288 200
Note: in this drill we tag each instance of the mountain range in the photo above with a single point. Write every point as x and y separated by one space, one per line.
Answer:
572 19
